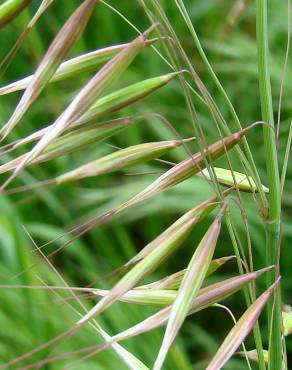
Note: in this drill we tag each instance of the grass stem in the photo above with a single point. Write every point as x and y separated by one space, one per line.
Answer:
274 216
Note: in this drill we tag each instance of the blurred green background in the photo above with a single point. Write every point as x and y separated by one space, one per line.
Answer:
30 317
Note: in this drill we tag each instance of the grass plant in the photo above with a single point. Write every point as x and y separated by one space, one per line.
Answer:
145 185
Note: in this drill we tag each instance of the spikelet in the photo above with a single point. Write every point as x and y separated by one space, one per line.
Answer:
10 9
240 330
59 48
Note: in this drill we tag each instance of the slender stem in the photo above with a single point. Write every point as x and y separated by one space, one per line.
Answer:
274 216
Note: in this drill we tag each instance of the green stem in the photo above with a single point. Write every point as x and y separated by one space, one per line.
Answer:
273 223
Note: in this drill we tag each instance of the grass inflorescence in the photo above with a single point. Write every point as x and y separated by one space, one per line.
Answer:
131 150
